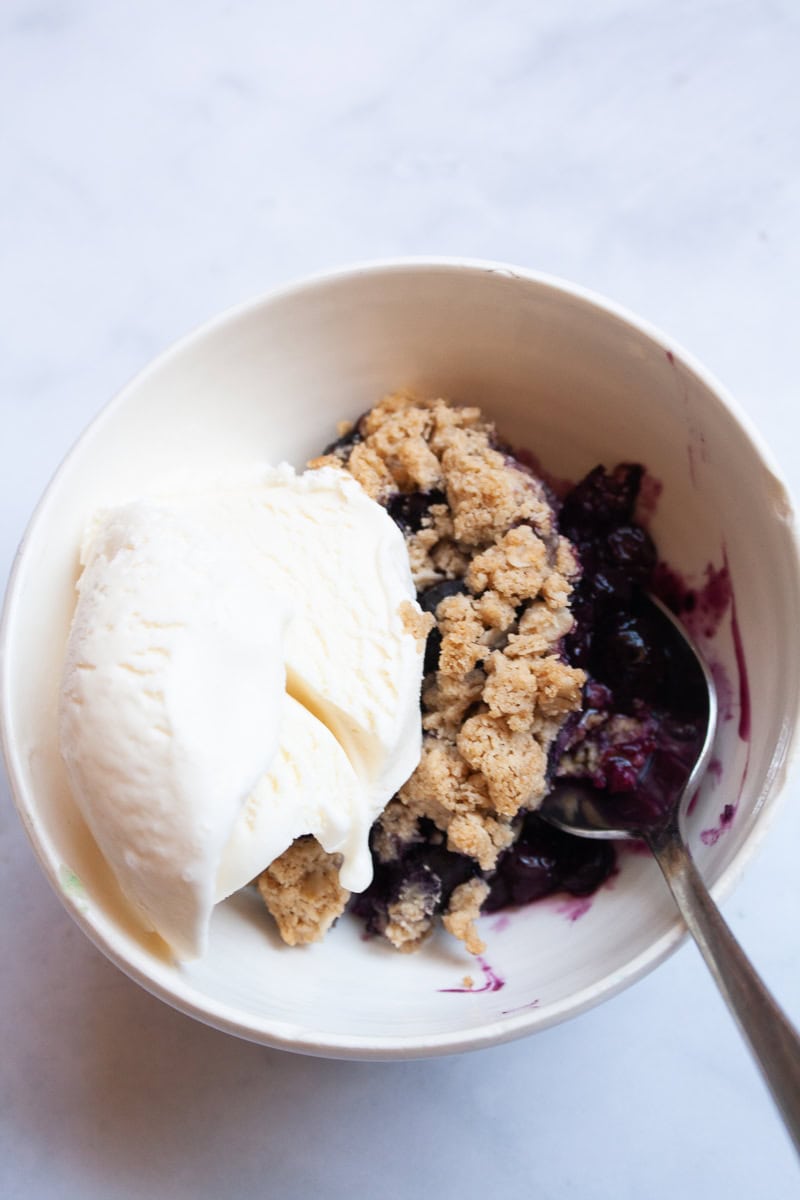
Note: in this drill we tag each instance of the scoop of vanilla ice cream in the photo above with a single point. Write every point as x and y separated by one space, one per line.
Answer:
240 672
170 706
310 787
342 563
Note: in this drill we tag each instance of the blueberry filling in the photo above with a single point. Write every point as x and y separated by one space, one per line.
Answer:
634 740
544 860
637 735
425 869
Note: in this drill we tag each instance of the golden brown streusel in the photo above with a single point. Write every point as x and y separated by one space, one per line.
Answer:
410 918
418 624
515 567
464 910
302 891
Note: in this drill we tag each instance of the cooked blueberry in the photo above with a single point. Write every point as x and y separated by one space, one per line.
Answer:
530 874
621 774
597 695
601 500
426 869
585 874
631 548
610 583
342 446
543 861
626 650
431 597
409 509
433 648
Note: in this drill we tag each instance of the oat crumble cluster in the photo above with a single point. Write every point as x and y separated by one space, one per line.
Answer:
302 891
496 577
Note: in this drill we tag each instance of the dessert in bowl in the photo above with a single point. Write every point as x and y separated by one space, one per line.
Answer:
563 376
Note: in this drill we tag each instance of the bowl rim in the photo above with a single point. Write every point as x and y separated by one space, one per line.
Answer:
186 997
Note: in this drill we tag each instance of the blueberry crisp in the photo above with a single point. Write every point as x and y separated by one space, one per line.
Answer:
538 665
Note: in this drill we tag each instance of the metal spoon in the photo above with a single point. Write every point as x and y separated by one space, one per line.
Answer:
772 1039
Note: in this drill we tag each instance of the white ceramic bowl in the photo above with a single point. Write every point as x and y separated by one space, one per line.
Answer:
575 380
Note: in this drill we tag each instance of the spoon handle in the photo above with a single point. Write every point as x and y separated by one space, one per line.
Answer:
772 1038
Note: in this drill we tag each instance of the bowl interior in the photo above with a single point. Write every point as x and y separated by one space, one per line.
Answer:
573 382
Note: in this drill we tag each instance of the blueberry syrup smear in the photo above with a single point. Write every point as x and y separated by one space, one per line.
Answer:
634 741
491 982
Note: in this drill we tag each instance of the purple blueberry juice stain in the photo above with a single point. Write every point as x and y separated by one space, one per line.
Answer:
671 588
491 981
710 837
501 924
574 908
714 774
744 683
508 1012
724 688
714 598
700 609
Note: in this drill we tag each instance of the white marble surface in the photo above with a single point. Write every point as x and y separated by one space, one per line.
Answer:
159 161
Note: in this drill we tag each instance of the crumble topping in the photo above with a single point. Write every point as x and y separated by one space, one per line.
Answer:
464 909
496 578
416 623
302 891
410 917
